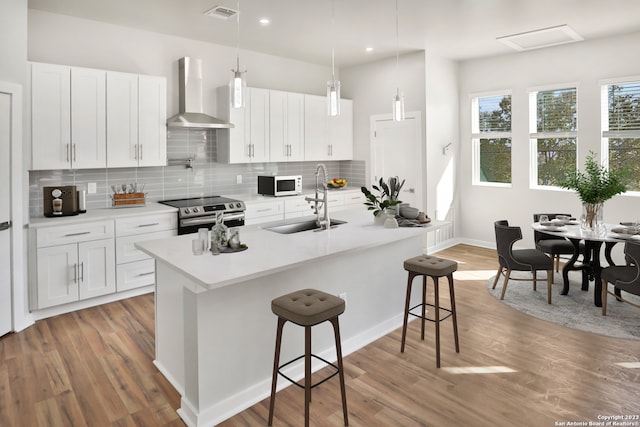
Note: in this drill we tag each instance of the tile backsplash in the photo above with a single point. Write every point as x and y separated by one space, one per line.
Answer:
177 181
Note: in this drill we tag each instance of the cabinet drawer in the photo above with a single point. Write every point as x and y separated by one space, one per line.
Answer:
135 274
264 209
127 252
83 232
146 224
354 198
297 205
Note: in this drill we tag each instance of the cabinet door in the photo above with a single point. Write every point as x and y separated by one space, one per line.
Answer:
57 275
259 125
122 126
88 119
316 128
152 119
50 116
341 132
279 145
232 145
96 265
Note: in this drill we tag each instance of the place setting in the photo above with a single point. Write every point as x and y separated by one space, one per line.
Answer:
626 230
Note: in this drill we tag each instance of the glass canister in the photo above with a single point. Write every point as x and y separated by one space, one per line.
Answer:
219 234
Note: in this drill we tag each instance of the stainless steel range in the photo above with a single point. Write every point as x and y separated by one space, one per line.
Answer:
200 212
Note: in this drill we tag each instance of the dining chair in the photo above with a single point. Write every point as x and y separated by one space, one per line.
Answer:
553 245
623 277
511 259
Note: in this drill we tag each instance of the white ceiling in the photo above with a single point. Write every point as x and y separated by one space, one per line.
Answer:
301 29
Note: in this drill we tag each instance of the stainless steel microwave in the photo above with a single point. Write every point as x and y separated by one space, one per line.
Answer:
277 185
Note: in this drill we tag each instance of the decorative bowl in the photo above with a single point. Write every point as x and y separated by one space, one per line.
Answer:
409 212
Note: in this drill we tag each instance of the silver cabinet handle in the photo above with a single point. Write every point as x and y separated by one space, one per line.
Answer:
74 152
82 271
146 274
77 234
148 225
68 150
5 225
75 273
410 190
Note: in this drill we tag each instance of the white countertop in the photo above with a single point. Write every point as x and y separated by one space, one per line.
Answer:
269 252
102 214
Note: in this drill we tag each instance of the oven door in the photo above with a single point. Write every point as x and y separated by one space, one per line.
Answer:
191 225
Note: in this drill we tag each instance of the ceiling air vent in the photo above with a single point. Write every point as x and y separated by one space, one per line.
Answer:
221 12
545 37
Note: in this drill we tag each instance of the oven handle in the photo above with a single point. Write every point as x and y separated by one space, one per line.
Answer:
210 219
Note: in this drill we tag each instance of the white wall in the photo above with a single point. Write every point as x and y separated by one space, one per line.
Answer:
584 64
372 87
61 39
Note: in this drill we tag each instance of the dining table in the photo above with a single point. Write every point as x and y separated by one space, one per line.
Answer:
608 234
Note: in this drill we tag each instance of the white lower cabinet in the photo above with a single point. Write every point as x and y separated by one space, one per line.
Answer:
295 207
258 211
73 266
134 268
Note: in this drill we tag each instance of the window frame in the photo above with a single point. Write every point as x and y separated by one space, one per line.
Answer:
476 136
534 135
605 134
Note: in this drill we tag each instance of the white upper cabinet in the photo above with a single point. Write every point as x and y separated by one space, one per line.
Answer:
152 119
136 116
286 140
83 118
248 140
122 126
67 117
327 138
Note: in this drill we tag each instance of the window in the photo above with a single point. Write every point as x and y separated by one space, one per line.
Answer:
553 127
621 129
491 134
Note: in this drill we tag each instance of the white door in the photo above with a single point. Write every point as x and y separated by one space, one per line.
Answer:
396 150
88 119
5 213
152 119
122 126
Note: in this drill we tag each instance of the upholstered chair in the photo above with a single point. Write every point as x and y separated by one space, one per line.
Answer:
625 278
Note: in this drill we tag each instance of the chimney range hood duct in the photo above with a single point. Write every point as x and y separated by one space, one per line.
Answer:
190 111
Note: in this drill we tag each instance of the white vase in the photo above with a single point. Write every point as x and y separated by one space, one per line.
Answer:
380 218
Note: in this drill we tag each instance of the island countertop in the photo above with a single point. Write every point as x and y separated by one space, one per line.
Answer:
269 252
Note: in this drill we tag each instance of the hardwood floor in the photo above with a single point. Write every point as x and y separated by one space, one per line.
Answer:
94 368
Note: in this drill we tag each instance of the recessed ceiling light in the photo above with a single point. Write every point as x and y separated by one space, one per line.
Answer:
265 21
368 49
545 37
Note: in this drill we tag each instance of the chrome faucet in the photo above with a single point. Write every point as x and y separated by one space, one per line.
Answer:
325 222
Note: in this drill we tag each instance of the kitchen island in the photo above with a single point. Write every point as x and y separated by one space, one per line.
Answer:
215 331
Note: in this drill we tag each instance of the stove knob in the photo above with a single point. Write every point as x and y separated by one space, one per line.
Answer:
238 205
186 211
230 205
195 210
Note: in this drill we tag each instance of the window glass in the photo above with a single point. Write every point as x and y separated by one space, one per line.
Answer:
491 135
554 134
621 131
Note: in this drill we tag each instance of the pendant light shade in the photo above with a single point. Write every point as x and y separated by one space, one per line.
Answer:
333 85
238 83
398 106
398 99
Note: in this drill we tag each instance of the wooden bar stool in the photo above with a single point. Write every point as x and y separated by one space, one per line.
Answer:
434 267
308 308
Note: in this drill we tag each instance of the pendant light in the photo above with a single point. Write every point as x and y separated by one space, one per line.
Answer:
398 99
238 84
333 85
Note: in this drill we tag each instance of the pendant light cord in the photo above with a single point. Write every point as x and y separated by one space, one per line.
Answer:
397 51
238 35
333 42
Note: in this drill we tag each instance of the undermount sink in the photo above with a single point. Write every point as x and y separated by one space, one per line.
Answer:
297 227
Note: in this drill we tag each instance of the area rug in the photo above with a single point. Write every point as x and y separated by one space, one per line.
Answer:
575 310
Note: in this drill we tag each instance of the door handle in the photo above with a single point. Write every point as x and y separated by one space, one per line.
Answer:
5 225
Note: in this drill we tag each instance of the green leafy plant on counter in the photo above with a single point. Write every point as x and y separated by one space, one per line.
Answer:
386 197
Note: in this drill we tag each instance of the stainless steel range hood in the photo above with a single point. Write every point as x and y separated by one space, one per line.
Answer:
190 106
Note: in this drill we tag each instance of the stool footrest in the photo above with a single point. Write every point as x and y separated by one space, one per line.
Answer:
312 385
446 316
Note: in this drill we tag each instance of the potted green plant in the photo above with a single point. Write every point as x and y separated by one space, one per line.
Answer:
594 187
387 196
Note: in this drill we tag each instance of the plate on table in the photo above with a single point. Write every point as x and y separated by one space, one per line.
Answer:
622 236
551 227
